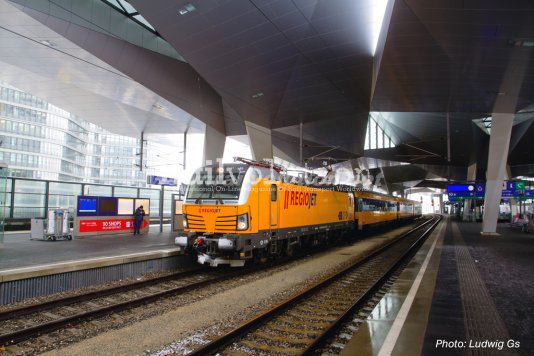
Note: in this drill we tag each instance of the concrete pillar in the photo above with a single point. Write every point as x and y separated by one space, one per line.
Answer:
471 176
501 130
213 145
261 145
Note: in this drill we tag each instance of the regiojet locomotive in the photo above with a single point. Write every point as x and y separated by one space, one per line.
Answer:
252 211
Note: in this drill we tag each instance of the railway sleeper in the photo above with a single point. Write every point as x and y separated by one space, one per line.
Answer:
311 324
291 330
271 348
284 338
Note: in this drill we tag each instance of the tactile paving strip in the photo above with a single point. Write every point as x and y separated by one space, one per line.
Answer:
482 320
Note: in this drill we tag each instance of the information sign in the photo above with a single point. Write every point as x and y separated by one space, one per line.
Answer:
157 180
515 185
513 189
461 190
108 225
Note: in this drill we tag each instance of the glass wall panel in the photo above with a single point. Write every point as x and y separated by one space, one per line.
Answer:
149 193
65 188
28 213
29 200
29 186
380 137
8 205
167 203
97 190
126 192
153 195
62 201
3 201
372 135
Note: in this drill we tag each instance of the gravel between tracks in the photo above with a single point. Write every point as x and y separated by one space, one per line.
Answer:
220 309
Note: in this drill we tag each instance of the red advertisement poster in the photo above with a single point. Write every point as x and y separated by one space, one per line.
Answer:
108 225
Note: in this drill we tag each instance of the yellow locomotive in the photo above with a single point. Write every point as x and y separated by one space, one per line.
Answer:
249 210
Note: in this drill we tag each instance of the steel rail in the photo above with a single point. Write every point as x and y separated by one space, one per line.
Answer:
37 330
223 341
330 330
27 333
29 309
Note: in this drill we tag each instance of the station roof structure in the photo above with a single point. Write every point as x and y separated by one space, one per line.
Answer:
438 72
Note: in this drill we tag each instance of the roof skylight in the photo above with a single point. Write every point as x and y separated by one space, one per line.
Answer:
128 10
377 11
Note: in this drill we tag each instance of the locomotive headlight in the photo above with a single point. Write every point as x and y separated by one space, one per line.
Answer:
242 222
184 222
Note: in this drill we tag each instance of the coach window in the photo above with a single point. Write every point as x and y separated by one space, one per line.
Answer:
273 192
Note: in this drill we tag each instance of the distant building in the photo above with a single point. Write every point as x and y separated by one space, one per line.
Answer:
40 140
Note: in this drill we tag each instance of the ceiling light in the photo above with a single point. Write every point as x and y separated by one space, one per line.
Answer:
48 43
187 9
257 95
521 42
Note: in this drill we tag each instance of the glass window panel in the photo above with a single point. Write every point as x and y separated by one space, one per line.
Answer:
8 200
380 137
29 186
144 21
114 2
366 147
97 190
62 201
125 192
65 188
9 183
129 8
372 135
149 193
28 213
29 200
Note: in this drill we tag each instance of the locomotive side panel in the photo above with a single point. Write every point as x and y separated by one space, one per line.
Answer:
308 207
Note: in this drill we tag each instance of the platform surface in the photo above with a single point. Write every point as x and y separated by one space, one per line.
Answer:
467 295
19 251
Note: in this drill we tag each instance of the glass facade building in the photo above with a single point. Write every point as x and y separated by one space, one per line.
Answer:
41 141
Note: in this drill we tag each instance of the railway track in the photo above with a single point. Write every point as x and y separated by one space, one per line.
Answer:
27 322
302 323
23 323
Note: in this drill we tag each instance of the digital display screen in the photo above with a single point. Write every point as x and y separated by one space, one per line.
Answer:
87 205
107 206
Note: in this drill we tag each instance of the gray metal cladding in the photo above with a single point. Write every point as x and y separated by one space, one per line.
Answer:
19 290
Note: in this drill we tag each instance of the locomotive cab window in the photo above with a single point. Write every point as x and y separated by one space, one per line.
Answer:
273 192
216 183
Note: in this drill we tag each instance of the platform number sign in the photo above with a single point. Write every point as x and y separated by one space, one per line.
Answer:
515 185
